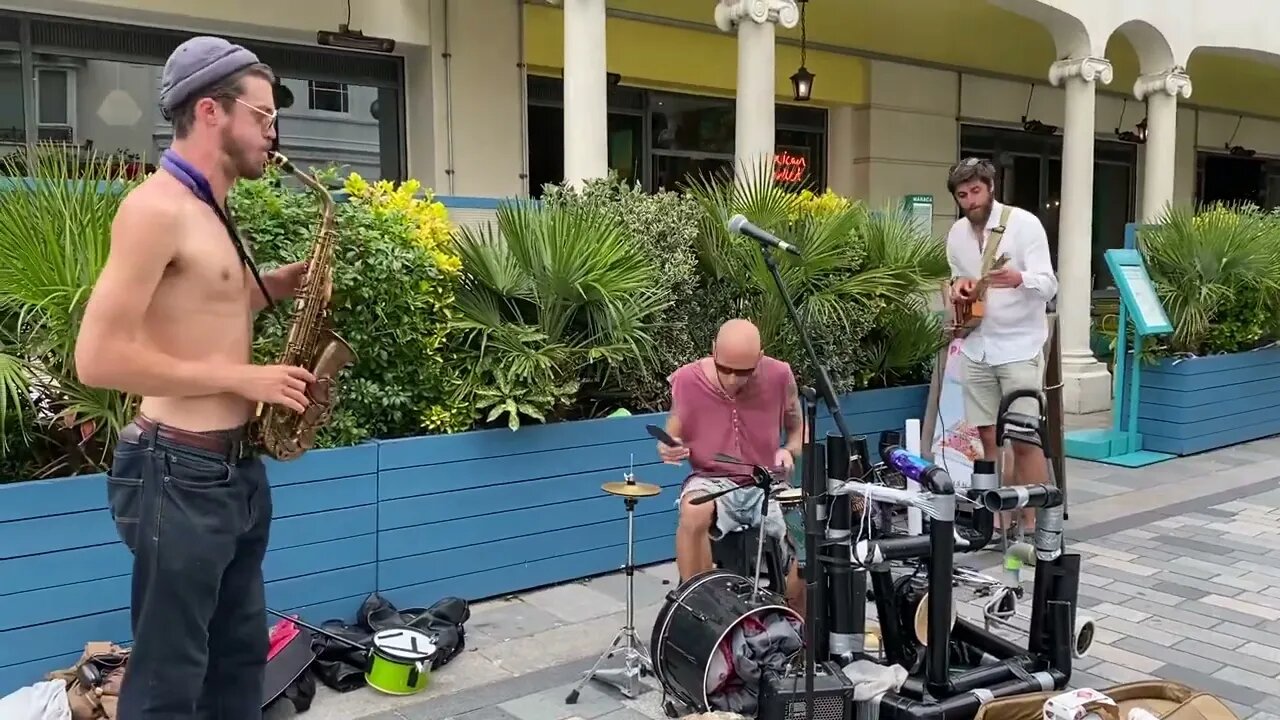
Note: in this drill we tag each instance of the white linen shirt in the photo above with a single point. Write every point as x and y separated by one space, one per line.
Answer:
1013 327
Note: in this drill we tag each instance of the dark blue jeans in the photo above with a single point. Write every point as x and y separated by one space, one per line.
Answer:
197 524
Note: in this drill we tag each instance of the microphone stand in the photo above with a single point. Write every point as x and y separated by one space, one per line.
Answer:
833 406
762 479
823 380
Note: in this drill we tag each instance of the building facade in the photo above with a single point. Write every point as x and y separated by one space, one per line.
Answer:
1087 108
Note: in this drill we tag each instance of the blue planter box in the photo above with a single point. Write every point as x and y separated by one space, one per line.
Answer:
64 574
473 515
1197 404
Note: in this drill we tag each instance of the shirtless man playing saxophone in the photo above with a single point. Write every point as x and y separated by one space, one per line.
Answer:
171 320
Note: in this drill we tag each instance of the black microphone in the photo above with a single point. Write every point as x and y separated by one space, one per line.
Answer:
741 225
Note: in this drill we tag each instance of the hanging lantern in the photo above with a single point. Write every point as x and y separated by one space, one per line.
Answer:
802 84
802 80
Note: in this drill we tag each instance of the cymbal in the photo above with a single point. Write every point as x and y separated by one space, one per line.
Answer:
635 489
789 496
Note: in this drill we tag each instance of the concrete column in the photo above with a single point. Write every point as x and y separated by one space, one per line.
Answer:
586 92
1086 382
1161 91
754 137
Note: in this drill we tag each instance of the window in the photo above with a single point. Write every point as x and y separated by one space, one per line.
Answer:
95 84
13 124
327 96
665 140
55 109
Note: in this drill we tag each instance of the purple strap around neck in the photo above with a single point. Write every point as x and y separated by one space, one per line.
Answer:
188 175
198 184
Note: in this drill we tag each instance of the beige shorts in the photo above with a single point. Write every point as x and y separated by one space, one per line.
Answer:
985 385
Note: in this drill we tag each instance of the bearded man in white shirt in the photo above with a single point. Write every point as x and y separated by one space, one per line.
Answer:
1005 352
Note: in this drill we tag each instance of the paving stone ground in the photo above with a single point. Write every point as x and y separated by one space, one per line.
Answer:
1181 571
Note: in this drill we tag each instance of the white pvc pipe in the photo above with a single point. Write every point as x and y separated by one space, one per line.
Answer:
915 521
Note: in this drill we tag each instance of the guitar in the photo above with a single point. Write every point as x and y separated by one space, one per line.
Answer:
967 315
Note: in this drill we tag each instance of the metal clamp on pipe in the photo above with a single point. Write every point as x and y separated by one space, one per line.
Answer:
1021 496
874 552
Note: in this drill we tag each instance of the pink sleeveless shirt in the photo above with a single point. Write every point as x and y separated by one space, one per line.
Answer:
748 425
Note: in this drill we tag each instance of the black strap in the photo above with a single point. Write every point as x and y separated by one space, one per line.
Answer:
234 232
198 184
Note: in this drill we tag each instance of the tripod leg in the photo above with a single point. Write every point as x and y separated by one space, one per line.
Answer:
588 675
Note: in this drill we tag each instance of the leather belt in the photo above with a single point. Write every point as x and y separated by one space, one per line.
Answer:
232 444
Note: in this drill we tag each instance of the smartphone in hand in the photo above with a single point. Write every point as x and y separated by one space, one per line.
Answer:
661 436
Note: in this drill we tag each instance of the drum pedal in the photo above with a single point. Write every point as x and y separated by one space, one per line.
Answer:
783 697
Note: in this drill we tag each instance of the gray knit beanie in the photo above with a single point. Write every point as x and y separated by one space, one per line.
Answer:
197 64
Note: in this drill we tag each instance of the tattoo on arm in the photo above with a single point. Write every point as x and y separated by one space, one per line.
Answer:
792 419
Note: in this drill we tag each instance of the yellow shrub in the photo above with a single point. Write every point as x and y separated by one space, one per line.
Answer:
828 203
430 218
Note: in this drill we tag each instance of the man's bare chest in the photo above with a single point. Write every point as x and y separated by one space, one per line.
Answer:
208 267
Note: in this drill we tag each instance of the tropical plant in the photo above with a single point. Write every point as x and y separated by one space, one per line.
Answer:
856 269
662 226
395 276
553 299
1217 272
54 237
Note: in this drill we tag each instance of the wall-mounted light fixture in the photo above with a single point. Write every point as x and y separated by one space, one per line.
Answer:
350 39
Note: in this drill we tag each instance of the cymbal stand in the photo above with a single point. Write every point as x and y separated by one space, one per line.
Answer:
637 660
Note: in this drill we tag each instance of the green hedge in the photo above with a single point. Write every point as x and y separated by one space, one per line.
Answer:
568 308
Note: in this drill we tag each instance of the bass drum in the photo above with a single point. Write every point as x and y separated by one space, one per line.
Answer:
694 625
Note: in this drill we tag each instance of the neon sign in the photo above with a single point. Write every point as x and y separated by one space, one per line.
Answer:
789 167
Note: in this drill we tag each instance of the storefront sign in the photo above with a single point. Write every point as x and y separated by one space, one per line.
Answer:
920 209
790 165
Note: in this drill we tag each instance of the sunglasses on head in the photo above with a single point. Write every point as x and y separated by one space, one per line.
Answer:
972 162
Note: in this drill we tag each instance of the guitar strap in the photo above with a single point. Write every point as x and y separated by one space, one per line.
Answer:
993 242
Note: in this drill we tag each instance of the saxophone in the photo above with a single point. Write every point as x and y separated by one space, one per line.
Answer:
312 343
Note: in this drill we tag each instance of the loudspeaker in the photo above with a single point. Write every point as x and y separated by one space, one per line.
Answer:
782 697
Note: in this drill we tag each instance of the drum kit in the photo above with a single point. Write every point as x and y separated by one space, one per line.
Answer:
721 642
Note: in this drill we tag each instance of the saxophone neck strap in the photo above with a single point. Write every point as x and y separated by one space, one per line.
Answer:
198 184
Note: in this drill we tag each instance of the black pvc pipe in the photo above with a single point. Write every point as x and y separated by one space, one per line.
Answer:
941 567
813 472
891 630
815 571
839 531
1041 594
963 706
1008 400
988 642
984 524
859 464
903 547
982 676
1060 650
1021 496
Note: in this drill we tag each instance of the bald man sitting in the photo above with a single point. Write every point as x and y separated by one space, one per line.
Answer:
738 401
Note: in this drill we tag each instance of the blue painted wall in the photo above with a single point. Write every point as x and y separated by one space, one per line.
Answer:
474 515
1199 404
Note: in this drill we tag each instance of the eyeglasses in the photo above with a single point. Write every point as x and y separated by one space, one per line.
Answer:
266 118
